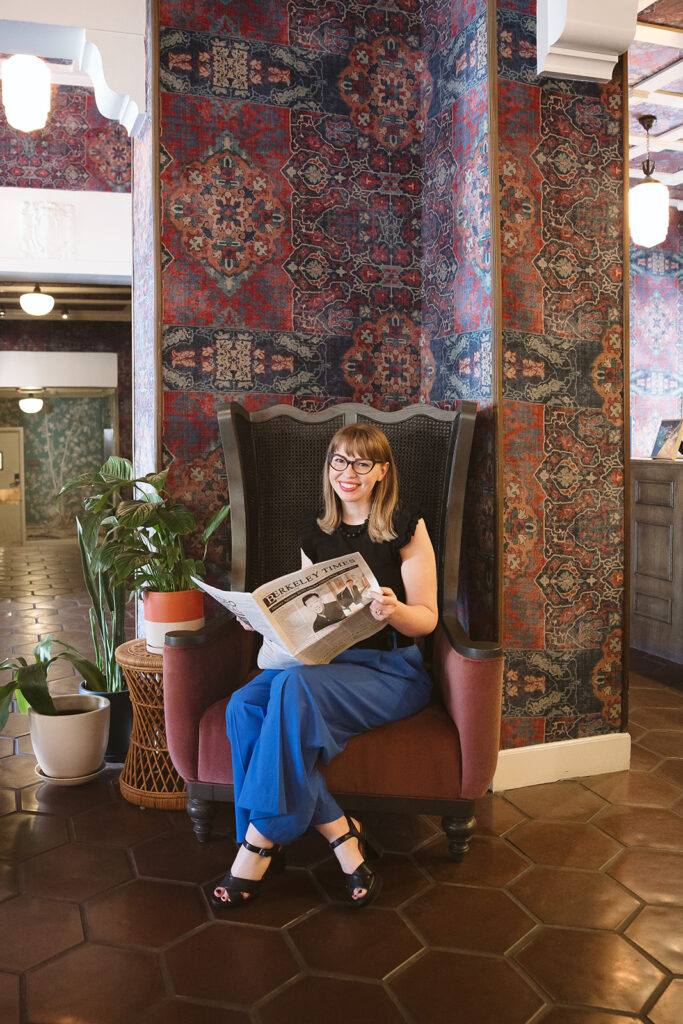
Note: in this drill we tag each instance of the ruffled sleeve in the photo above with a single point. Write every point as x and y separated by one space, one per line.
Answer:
405 524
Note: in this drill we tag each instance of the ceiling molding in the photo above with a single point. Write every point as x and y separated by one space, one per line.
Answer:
583 39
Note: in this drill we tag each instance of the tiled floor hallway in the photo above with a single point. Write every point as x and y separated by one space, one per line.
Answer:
567 910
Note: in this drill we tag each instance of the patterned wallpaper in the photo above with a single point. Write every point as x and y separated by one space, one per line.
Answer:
61 441
75 336
561 209
326 236
291 175
78 148
656 327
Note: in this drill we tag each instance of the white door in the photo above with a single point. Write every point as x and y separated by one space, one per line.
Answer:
12 520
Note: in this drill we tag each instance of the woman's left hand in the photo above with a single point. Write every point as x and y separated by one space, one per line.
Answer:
384 604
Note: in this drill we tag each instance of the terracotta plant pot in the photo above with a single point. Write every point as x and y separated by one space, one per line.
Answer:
180 609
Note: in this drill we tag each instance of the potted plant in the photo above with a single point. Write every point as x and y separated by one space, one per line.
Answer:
141 544
69 732
108 599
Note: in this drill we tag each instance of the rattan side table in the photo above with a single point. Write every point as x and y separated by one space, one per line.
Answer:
148 777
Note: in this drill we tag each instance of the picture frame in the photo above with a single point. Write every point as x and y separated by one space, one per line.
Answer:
669 441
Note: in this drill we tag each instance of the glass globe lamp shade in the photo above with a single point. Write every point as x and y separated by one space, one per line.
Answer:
36 303
26 92
30 404
648 212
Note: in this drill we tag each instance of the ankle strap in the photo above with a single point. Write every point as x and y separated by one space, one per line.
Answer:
334 843
263 851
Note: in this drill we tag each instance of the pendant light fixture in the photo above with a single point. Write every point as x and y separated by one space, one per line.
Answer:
30 404
36 303
26 92
648 202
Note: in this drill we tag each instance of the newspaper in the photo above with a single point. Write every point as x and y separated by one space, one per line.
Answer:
308 616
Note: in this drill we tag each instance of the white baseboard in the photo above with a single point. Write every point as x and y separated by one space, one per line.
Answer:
565 759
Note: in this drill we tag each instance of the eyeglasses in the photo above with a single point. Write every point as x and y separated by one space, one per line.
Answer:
339 463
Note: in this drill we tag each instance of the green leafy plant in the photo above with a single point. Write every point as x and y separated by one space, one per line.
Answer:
29 682
141 540
108 599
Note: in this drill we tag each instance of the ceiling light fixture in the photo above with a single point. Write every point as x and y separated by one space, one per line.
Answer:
36 303
65 314
26 92
648 203
30 404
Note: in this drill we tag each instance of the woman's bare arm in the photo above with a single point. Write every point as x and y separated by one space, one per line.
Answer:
418 614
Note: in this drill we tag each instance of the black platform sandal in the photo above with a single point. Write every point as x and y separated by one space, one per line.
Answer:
235 887
363 877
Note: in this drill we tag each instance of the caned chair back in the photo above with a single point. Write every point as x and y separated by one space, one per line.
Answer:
275 458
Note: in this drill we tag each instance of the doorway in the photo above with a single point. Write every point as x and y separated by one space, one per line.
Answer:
12 500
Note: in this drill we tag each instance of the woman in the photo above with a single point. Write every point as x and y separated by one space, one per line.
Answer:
286 720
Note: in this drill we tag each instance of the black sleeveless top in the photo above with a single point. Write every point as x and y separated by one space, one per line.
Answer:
383 557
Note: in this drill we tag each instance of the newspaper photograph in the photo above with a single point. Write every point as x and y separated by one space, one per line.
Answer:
311 615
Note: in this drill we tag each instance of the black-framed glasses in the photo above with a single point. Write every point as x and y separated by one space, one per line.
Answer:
339 463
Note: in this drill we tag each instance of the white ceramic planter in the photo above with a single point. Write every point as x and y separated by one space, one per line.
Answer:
70 746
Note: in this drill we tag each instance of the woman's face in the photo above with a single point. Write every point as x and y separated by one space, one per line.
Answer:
356 488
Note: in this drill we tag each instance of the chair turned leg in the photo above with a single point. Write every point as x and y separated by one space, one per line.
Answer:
202 813
459 831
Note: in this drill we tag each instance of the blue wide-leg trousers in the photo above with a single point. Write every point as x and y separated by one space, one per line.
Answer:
282 723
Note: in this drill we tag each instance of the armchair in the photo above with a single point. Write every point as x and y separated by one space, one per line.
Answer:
435 762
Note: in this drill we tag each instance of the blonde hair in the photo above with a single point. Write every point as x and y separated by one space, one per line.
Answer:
363 441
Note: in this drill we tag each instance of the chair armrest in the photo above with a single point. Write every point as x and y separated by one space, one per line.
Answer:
471 678
198 671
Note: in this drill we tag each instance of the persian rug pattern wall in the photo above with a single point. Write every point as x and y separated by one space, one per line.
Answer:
78 149
561 207
656 300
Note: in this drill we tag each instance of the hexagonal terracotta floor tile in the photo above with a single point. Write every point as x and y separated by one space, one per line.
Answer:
39 928
658 718
6 746
287 897
638 789
647 826
120 824
75 871
642 759
18 771
655 876
9 884
590 968
659 931
566 844
489 861
68 800
230 963
567 1015
568 800
145 913
16 725
25 835
340 1002
669 1007
401 833
97 984
469 918
401 880
367 944
9 998
180 1011
671 770
662 741
480 990
496 815
564 896
181 857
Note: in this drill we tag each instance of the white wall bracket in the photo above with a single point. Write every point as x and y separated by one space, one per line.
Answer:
107 42
583 39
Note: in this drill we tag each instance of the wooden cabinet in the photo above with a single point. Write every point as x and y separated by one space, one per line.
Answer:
657 558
